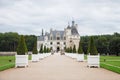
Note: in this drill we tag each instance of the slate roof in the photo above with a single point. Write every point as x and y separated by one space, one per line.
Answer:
68 27
74 31
40 38
54 33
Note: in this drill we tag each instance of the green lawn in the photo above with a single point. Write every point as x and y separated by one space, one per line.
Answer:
108 62
7 62
111 63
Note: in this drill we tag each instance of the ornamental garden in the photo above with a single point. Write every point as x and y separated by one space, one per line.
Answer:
101 51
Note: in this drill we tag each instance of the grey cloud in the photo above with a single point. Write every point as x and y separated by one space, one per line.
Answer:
30 16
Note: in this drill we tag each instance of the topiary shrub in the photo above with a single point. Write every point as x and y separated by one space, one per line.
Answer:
35 48
41 49
74 49
91 47
45 49
80 50
22 48
70 50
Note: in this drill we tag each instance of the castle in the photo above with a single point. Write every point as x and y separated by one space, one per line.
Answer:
57 40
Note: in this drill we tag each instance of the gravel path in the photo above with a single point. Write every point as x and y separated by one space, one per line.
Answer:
57 67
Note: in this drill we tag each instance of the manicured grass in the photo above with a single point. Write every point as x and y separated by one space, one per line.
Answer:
111 68
111 63
109 58
7 62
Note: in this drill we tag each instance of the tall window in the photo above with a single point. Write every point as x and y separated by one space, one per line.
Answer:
64 43
58 42
58 38
51 43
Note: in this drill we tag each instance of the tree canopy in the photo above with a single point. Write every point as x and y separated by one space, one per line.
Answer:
114 46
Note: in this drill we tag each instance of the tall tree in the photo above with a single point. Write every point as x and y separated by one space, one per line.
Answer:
114 46
35 48
41 48
45 49
80 50
91 47
30 39
74 49
102 45
22 48
70 49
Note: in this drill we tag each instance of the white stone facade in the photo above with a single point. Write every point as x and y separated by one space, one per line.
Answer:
58 40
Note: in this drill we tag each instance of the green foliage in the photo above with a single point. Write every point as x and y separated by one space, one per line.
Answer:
22 48
80 50
91 47
67 50
111 68
102 45
45 49
70 50
8 41
41 49
74 49
110 63
85 40
35 48
48 50
114 46
30 39
5 63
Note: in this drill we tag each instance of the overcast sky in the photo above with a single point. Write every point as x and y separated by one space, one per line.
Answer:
30 16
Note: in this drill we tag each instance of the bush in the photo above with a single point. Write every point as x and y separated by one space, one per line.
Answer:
35 48
74 49
91 47
22 48
41 49
80 50
45 49
70 50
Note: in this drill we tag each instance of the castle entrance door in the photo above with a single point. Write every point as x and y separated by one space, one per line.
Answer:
58 48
